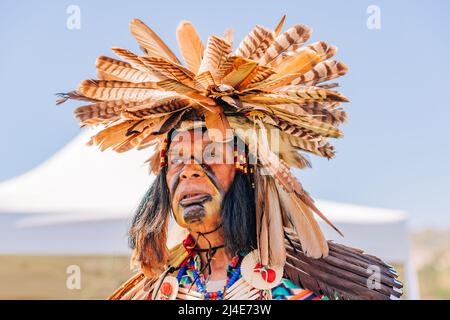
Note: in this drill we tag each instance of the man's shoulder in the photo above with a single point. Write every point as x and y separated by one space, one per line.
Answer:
139 286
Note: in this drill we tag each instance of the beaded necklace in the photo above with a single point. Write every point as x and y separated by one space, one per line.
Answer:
194 264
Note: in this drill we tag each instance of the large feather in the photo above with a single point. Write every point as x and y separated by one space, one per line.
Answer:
161 106
116 90
123 71
343 274
190 44
323 49
150 41
289 40
169 69
279 26
305 226
277 252
323 71
300 63
262 225
217 123
136 63
104 111
216 53
255 43
309 93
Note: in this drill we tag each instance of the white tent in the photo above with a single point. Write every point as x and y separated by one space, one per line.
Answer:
80 202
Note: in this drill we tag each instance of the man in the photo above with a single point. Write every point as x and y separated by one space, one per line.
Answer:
215 202
227 128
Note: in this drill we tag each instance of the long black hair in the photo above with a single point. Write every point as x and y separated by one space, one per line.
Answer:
239 215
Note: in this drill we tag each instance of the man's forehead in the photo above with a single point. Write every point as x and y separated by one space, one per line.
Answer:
196 136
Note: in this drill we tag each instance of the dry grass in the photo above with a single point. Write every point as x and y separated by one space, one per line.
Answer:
44 277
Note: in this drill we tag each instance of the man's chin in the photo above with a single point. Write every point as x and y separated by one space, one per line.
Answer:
194 214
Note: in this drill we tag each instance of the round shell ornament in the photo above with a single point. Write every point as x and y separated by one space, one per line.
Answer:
168 289
259 276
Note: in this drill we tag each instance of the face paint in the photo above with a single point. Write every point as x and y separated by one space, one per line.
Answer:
197 189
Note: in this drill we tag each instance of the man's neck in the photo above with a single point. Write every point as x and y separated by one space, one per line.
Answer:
220 260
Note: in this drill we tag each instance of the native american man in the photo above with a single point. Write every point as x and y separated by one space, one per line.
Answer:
227 127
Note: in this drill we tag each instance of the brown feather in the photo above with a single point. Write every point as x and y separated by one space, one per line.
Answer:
289 40
169 69
116 90
216 53
255 43
122 71
190 44
151 42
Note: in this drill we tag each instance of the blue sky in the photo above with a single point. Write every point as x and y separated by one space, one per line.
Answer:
395 151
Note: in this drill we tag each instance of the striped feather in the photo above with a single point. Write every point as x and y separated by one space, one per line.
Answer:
121 70
305 226
255 43
216 53
323 49
116 90
328 113
289 40
162 106
169 69
323 71
312 93
262 73
135 62
103 111
204 81
175 86
242 68
226 67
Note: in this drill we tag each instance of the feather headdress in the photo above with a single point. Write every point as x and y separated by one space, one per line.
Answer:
271 81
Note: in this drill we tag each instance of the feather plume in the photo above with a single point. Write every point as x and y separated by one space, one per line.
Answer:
116 90
104 111
204 81
151 42
299 64
305 93
262 226
280 26
136 63
228 36
242 70
277 252
216 53
305 226
289 40
255 43
169 69
122 71
217 124
340 275
323 49
323 71
191 46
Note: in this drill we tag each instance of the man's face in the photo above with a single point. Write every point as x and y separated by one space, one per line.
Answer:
200 172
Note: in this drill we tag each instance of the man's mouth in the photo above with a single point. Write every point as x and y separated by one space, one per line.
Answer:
194 199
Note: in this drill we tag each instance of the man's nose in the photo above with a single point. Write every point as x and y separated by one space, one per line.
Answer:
192 170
